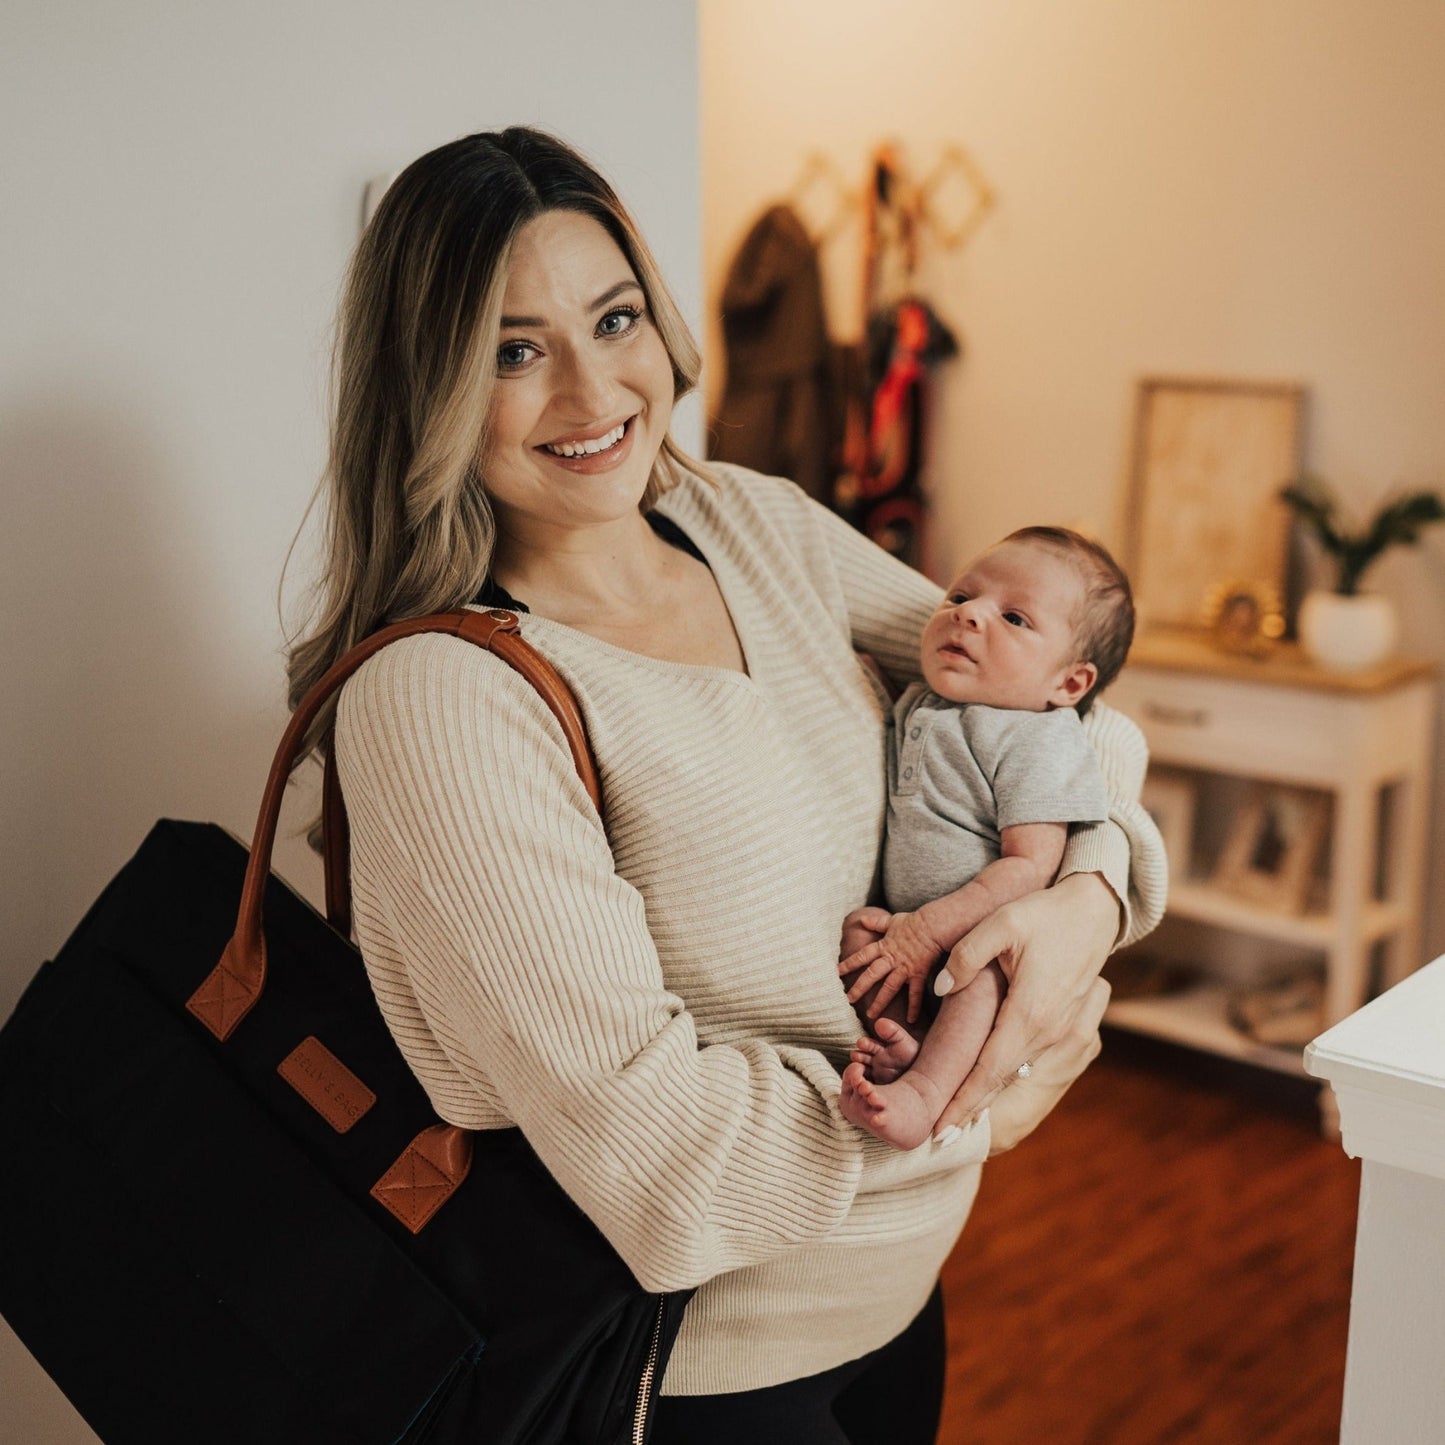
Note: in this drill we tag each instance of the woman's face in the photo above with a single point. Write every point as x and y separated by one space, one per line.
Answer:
584 384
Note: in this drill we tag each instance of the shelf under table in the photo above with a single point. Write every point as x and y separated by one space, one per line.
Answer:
1198 1017
1205 903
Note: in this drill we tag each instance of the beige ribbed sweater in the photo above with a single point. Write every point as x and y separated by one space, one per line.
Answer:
655 1002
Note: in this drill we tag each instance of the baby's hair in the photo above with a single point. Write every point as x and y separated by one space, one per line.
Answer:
1104 628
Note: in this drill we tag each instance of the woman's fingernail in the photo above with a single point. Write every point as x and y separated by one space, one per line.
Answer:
943 984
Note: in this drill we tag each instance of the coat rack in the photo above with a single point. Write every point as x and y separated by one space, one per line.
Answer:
820 185
950 202
899 210
863 401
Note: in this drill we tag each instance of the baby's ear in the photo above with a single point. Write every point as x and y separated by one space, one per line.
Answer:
1074 684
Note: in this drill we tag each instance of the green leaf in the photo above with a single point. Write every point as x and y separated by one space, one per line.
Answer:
1402 520
1398 522
1313 505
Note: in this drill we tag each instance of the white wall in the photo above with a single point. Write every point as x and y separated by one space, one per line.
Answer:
182 184
1205 187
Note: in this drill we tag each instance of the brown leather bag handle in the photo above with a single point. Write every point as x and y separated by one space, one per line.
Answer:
507 643
231 989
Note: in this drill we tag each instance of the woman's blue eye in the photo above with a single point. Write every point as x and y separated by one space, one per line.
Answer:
619 321
512 354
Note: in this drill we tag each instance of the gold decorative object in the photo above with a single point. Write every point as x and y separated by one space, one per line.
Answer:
1244 616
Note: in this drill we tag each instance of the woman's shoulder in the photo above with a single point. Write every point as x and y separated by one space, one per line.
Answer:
738 482
429 690
747 503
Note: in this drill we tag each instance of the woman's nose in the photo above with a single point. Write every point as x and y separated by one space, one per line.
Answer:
587 387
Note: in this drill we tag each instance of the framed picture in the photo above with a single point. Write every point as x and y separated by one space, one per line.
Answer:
1168 798
1244 617
1270 854
1209 459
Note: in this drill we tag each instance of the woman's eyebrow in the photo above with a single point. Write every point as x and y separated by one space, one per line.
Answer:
611 294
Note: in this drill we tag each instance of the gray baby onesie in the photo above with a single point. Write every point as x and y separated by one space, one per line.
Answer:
960 772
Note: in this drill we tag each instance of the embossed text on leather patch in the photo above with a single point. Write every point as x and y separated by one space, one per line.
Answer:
326 1083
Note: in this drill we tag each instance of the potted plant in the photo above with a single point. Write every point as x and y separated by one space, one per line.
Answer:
1346 628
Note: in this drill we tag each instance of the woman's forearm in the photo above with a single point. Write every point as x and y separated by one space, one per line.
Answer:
1096 901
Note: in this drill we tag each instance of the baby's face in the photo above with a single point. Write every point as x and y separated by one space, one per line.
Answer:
1004 634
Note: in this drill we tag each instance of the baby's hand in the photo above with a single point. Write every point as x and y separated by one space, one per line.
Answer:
862 927
903 957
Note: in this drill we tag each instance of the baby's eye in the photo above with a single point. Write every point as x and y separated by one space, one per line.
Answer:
956 599
511 355
1015 619
619 321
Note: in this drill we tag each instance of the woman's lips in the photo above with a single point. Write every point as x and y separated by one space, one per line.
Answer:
587 462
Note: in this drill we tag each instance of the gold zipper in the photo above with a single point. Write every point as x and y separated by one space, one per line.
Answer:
644 1385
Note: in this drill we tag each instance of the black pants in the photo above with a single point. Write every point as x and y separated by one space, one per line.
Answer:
892 1397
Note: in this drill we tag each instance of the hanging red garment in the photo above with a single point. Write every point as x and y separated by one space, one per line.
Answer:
883 496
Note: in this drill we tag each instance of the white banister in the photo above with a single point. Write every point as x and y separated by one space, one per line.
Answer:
1386 1064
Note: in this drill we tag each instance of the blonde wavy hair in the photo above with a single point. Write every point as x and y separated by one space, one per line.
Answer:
408 527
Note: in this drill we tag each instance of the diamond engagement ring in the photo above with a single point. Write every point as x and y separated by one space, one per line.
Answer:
1024 1069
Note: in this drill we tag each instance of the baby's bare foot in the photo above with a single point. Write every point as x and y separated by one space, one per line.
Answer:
856 1101
892 1051
897 1113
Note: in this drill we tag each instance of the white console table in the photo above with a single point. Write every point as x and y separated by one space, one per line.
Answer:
1364 741
1386 1064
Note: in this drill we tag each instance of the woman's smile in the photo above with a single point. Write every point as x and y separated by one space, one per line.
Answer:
586 454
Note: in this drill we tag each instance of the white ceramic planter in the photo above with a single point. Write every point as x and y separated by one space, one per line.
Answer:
1347 633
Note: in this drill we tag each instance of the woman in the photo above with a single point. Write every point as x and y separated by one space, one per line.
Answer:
655 1004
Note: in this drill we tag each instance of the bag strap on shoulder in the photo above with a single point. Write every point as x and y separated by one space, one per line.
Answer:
230 991
496 630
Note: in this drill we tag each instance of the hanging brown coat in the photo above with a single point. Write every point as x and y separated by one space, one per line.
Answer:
778 413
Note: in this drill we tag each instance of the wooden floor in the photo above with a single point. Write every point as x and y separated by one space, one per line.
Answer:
1167 1259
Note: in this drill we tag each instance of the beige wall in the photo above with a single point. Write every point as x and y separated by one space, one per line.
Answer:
183 183
1204 187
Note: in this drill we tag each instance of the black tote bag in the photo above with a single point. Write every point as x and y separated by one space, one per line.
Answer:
228 1213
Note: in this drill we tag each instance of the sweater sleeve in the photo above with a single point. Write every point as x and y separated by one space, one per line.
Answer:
488 875
1126 849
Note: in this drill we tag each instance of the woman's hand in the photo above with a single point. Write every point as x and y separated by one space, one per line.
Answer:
1051 946
1026 1103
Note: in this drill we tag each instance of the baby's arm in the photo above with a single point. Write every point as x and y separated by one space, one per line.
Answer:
1029 856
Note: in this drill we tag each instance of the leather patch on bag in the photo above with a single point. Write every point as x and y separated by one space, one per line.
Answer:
430 1170
326 1083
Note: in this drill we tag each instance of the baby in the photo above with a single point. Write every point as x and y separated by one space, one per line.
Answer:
988 766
